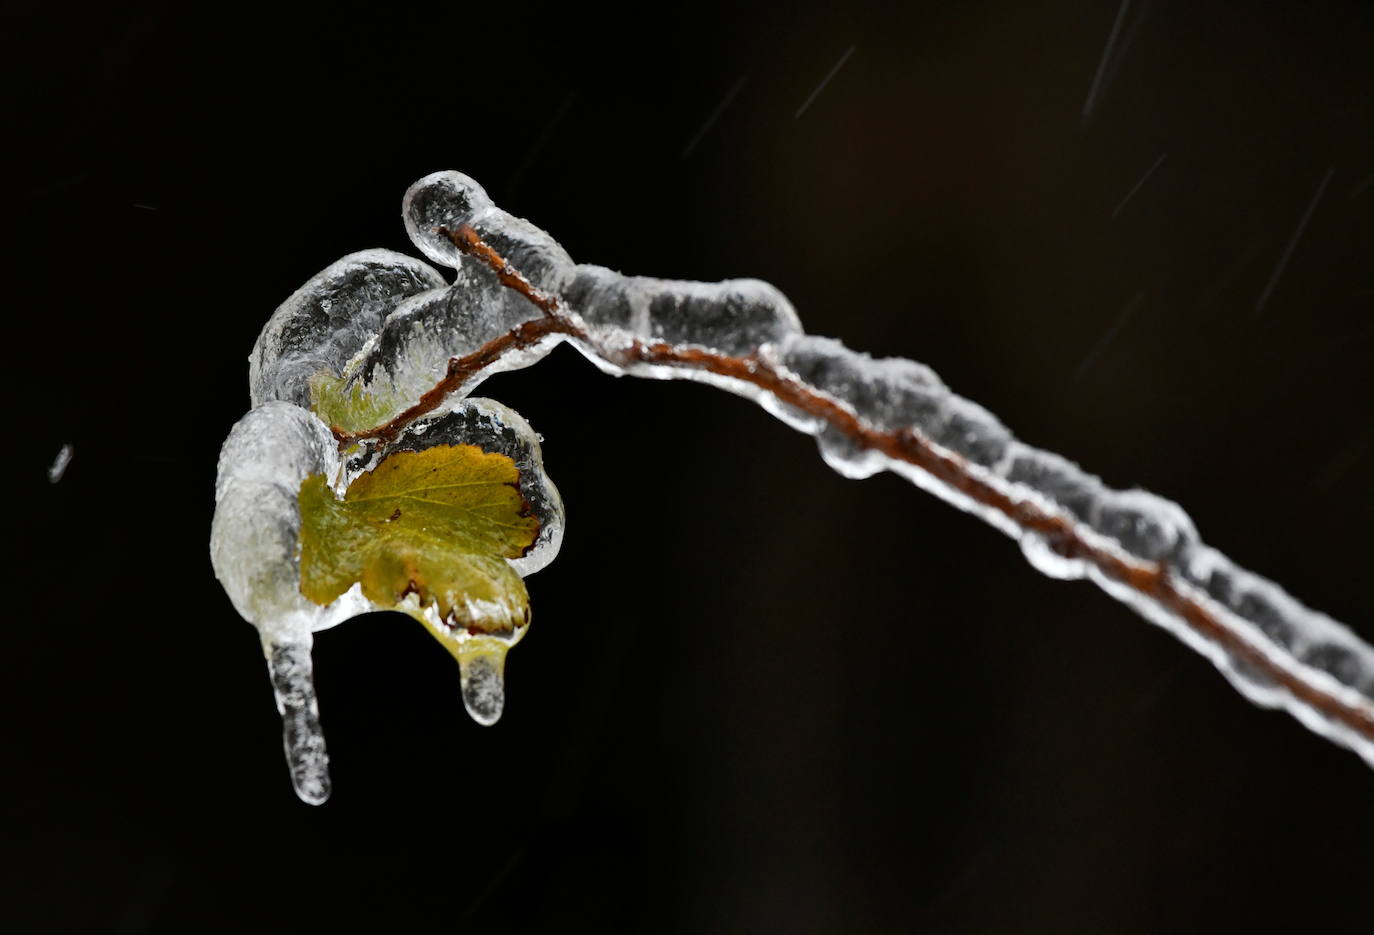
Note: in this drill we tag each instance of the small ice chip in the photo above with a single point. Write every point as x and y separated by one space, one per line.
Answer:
59 463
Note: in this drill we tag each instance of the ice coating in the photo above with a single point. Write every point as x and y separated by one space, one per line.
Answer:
409 353
448 200
326 321
1051 506
733 316
481 656
867 414
254 537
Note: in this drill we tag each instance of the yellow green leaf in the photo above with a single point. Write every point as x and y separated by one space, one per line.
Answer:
438 524
351 407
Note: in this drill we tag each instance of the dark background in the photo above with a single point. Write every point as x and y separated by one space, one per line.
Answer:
755 696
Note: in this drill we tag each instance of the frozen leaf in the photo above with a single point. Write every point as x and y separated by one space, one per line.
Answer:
437 524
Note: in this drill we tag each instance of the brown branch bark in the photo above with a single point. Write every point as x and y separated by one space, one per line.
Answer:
1152 580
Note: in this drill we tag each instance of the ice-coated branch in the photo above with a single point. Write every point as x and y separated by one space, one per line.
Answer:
381 350
871 415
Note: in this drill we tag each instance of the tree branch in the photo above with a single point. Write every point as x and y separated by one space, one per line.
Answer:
1155 587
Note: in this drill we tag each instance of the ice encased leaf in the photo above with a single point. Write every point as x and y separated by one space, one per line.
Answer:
496 428
255 551
500 429
329 319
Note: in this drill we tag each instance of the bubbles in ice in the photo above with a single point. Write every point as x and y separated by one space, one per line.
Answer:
605 298
888 393
292 673
972 432
1058 480
328 320
441 199
734 316
1146 525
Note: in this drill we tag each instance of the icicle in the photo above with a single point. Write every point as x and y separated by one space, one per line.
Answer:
293 682
482 665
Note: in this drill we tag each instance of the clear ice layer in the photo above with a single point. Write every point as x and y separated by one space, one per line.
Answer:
385 327
328 320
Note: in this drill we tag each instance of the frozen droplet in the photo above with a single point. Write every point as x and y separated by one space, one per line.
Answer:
484 687
293 683
847 457
1049 561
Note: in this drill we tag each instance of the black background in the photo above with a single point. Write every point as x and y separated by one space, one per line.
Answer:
755 695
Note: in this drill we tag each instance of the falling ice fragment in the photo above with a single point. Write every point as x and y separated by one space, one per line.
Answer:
59 463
